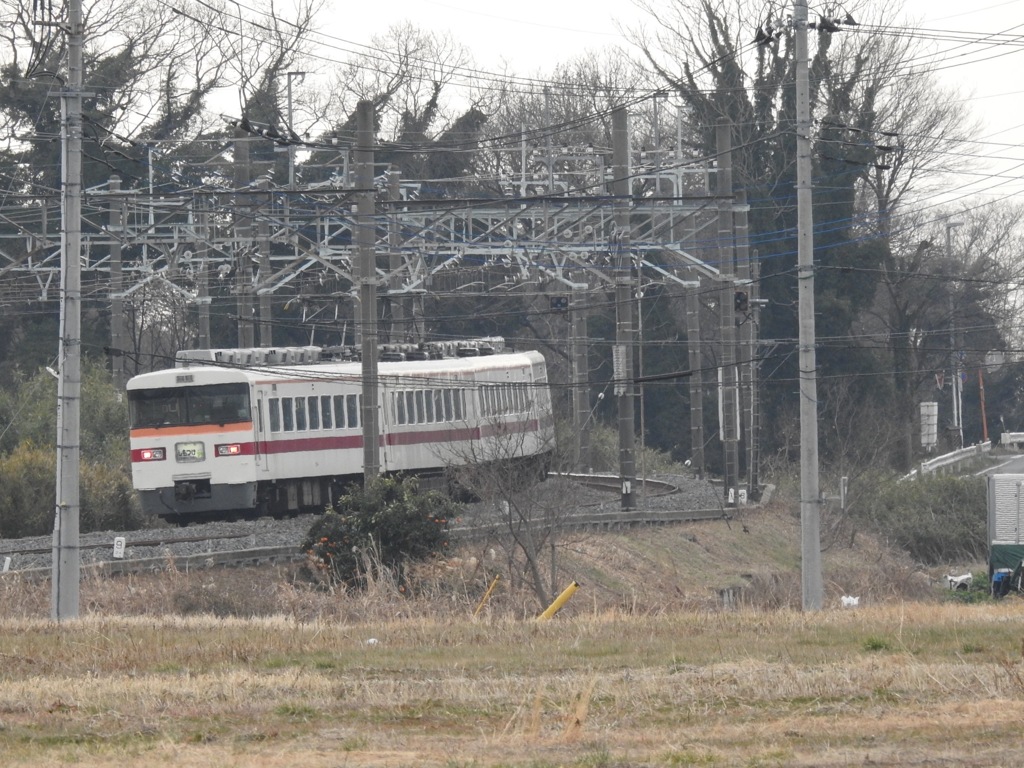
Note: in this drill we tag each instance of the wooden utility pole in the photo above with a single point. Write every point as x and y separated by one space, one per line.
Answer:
810 495
366 253
625 335
66 566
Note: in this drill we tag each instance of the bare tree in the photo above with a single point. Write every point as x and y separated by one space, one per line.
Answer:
159 325
525 519
932 304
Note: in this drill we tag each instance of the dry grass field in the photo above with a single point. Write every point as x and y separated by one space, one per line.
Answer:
645 667
896 684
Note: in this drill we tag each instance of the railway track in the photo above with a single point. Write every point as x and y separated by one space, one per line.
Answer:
648 487
149 553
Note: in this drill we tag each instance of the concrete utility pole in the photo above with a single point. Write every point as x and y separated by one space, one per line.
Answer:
202 274
810 495
696 380
727 318
579 349
625 336
118 326
754 421
746 331
365 240
66 567
396 330
266 310
243 241
954 360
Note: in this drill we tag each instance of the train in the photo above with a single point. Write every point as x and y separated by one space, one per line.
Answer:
241 433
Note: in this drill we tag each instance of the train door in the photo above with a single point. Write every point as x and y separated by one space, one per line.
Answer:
262 455
384 424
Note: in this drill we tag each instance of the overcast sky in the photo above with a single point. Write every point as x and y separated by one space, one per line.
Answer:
534 35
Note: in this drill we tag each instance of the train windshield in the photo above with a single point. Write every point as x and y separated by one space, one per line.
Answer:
179 406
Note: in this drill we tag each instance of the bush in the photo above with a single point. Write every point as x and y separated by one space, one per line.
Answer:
28 476
936 519
389 523
28 479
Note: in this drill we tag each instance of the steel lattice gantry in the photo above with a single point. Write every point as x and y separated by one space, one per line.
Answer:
267 241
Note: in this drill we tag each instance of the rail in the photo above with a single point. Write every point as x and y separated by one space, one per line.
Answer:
592 518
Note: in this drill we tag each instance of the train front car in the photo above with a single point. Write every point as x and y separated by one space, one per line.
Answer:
193 445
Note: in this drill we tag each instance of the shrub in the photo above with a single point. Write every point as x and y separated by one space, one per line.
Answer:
28 478
390 522
936 519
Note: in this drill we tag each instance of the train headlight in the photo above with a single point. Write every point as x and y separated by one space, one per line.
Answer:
152 454
228 449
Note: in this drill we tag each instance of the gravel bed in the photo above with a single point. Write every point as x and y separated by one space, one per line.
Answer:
267 532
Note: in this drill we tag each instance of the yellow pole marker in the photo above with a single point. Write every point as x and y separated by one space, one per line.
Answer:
561 600
487 595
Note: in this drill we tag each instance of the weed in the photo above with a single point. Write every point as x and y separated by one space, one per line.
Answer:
689 757
293 710
874 644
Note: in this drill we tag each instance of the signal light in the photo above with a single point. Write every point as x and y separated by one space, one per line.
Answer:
742 301
152 454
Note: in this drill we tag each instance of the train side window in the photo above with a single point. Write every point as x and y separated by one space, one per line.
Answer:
447 404
419 406
410 407
352 410
326 420
300 414
339 411
314 412
459 403
482 392
428 398
400 407
288 414
274 406
438 405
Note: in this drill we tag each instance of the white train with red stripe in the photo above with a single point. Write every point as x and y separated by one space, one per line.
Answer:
227 433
